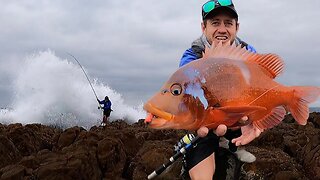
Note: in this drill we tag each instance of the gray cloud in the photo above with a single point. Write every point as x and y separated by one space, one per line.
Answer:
133 46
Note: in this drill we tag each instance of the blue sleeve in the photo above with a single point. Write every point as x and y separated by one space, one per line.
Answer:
101 102
251 49
187 57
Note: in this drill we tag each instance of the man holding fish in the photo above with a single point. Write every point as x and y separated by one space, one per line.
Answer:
220 24
221 86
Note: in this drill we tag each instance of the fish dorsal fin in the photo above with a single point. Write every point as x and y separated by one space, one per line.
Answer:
271 63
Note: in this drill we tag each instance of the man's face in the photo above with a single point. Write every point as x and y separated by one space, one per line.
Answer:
221 27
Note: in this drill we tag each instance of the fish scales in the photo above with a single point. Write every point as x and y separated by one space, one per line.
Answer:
221 88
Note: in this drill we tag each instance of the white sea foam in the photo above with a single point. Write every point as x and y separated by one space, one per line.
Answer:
54 91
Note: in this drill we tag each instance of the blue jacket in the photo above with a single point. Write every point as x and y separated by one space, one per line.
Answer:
195 52
106 104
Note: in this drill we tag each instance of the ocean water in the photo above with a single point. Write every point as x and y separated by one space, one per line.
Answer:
54 91
314 109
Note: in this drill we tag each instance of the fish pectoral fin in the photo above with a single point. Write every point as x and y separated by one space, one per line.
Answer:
238 112
241 109
272 119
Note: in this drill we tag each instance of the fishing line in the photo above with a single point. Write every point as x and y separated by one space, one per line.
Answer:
86 77
263 94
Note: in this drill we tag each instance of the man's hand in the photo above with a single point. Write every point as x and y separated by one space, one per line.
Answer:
249 133
202 131
220 131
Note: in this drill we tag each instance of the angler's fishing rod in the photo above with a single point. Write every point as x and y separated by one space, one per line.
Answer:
189 140
86 77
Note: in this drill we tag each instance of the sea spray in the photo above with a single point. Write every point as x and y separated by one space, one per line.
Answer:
53 91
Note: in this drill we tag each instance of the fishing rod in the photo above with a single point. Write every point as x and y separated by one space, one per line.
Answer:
188 141
86 77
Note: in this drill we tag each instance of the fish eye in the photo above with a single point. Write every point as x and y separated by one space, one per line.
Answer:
176 89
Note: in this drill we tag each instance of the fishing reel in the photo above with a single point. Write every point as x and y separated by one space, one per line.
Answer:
185 140
181 148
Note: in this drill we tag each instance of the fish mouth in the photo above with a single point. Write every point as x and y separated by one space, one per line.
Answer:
156 117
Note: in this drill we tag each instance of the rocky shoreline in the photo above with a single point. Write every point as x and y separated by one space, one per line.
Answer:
123 151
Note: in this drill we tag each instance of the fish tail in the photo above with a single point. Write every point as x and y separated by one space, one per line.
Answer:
302 96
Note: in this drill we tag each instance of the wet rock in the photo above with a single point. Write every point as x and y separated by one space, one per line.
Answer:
13 172
8 152
123 151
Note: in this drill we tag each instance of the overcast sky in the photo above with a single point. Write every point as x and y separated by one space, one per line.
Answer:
134 46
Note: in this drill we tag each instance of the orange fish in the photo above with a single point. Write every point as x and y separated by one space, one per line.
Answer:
228 83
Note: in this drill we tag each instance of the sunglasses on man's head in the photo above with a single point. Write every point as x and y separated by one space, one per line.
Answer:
210 5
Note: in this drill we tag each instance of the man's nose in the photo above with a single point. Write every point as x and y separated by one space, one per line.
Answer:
222 28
